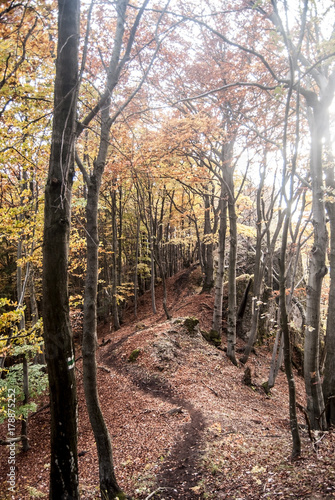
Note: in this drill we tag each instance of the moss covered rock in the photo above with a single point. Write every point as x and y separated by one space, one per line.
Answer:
134 355
213 337
191 324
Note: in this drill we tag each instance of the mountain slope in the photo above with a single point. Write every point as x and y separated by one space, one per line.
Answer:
182 421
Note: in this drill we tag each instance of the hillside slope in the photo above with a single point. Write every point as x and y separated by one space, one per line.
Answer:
182 422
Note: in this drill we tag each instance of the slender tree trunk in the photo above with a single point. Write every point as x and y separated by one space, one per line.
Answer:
25 368
317 271
276 360
163 277
207 246
328 385
108 484
218 297
259 267
296 445
241 310
231 319
24 422
152 254
57 328
20 294
136 265
258 276
115 308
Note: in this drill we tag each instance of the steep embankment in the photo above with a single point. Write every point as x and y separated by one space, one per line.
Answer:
182 422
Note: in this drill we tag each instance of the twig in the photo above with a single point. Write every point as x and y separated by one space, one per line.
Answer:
211 389
104 368
301 408
39 410
161 488
13 440
326 406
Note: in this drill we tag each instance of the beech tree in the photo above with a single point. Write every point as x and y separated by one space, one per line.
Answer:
322 79
57 329
227 91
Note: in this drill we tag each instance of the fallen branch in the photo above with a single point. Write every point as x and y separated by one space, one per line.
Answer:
161 488
39 410
301 408
211 389
104 368
12 440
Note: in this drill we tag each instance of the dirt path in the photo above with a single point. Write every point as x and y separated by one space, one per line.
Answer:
180 471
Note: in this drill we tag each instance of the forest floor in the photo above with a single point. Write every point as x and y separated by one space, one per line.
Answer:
182 422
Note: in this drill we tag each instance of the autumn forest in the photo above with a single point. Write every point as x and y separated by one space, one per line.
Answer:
144 141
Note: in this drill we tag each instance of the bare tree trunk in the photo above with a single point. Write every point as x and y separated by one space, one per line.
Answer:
328 385
241 310
317 271
258 276
136 265
115 249
296 445
231 319
57 328
163 277
218 297
152 256
207 249
20 294
108 484
276 360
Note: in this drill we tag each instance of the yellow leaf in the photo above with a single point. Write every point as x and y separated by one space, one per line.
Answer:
196 489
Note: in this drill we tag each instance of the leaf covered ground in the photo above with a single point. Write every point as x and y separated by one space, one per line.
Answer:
183 424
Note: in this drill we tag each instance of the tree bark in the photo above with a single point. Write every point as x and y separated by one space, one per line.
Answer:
317 271
57 217
231 317
108 484
218 296
276 360
328 385
136 265
258 275
207 253
115 251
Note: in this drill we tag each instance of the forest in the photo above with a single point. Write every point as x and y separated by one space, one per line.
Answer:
150 148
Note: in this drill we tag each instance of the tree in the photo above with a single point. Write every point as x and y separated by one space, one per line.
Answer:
108 484
57 329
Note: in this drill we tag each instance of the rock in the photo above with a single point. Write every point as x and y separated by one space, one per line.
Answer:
134 355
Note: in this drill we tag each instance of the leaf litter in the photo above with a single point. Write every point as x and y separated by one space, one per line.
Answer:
182 423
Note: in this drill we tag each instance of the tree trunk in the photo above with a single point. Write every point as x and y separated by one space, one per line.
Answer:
57 217
152 256
241 310
163 277
276 360
296 445
258 275
108 484
231 319
207 246
136 265
317 271
218 297
328 385
115 249
259 267
20 299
